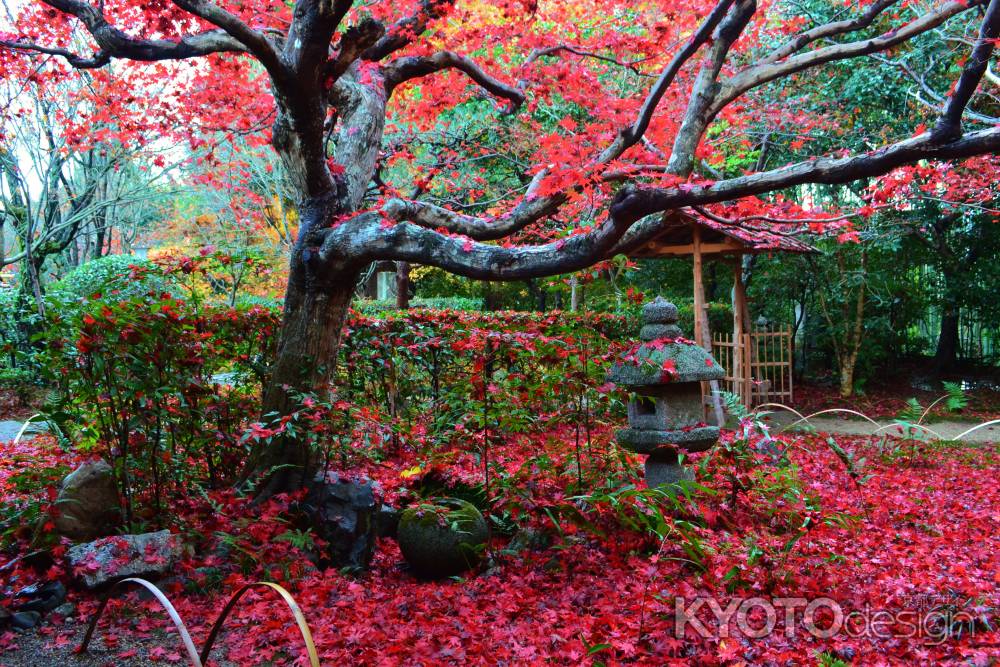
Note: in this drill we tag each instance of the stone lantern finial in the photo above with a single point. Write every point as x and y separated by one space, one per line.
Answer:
659 320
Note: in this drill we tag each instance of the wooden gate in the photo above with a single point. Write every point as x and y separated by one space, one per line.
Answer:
758 365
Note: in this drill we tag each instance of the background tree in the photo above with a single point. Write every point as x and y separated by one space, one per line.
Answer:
66 197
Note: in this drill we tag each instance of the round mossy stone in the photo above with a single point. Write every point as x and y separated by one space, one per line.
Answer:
442 537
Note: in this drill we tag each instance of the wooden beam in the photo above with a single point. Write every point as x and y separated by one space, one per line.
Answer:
656 249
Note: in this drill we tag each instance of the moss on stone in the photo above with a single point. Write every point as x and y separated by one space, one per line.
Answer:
442 537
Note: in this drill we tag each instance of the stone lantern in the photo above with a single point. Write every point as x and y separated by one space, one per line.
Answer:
666 415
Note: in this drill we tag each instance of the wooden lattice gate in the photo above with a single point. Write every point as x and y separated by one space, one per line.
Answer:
758 365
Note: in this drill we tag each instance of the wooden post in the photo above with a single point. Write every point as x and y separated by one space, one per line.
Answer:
402 285
739 329
699 288
702 332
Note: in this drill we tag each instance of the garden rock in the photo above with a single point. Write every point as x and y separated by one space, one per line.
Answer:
442 537
387 521
343 513
25 620
66 610
42 598
88 504
112 558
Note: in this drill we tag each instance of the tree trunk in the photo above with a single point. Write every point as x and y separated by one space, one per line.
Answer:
402 285
946 355
305 359
316 304
847 378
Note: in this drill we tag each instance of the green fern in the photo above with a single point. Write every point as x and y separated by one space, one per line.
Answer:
955 398
912 412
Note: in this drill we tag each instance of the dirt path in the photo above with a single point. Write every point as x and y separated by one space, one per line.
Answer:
944 430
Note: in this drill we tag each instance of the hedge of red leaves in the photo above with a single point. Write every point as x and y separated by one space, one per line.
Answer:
166 388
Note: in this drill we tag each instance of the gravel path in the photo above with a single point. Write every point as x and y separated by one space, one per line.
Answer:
35 649
945 430
9 428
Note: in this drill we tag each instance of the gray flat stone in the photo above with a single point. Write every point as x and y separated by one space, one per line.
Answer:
644 441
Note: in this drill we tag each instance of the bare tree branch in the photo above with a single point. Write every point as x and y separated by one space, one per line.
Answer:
114 43
553 50
949 126
366 239
825 31
699 113
99 59
645 201
254 41
761 73
529 210
409 68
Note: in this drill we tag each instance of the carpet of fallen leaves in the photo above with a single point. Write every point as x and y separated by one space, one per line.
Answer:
920 536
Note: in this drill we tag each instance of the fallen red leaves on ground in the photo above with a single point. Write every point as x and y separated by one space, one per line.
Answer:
919 537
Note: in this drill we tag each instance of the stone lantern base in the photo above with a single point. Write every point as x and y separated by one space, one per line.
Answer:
662 464
663 467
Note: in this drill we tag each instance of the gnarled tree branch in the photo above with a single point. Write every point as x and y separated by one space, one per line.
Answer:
254 41
764 72
409 68
949 126
827 30
480 228
114 43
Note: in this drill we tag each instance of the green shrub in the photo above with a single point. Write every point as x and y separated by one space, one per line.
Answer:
124 276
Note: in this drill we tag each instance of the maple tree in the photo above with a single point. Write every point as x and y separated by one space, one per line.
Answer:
333 75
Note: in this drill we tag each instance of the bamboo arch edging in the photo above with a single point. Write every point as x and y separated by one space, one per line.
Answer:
300 620
164 602
880 428
196 659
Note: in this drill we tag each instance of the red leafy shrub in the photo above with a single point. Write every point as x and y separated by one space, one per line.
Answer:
165 388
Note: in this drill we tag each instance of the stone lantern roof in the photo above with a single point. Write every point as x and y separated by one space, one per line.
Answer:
664 357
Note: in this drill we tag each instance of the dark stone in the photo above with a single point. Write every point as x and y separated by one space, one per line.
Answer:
25 620
66 609
343 513
42 598
442 537
663 467
112 558
387 521
529 539
88 504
